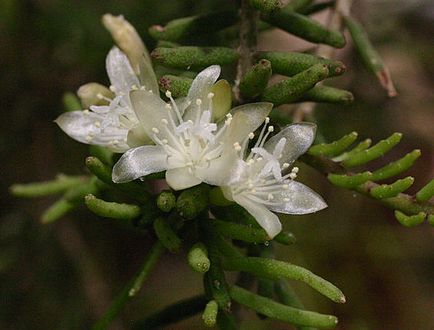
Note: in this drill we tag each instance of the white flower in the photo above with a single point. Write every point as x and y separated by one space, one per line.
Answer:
189 146
114 125
259 185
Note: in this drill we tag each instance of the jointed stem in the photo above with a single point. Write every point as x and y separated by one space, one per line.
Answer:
131 288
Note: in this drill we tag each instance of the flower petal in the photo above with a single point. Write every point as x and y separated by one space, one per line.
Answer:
222 100
81 126
150 110
246 119
120 72
301 200
137 137
299 138
181 178
139 162
199 89
265 218
222 171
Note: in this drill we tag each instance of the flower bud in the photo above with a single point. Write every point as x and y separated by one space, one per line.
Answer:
127 39
94 94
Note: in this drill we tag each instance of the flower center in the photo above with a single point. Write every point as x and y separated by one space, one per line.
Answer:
263 181
193 142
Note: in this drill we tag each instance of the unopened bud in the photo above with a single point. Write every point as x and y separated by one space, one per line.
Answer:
94 94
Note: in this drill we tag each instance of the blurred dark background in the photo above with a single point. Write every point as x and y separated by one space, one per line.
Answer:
62 276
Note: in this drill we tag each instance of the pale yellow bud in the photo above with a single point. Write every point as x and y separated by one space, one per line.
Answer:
94 94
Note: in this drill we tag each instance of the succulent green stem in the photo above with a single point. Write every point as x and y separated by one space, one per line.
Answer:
281 312
112 210
198 258
46 188
275 269
291 89
291 63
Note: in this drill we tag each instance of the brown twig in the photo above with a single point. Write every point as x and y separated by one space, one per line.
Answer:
248 40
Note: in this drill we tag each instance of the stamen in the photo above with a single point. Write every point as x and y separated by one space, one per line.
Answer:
210 95
251 135
237 146
285 166
155 130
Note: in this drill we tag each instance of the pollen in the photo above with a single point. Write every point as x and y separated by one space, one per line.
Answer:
237 146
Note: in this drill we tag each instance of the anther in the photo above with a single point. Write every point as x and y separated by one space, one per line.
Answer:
97 124
286 199
271 129
251 135
112 88
270 197
237 146
155 130
267 120
198 101
292 175
168 106
295 169
100 96
210 95
164 121
168 94
285 165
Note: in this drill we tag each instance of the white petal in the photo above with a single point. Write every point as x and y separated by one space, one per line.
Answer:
301 200
221 171
222 100
139 162
203 82
150 110
137 137
120 72
181 178
147 75
265 218
246 119
81 126
200 88
299 138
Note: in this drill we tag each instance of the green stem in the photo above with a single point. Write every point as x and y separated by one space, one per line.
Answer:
281 312
131 289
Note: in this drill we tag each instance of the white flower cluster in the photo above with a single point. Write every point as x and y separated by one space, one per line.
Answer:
184 138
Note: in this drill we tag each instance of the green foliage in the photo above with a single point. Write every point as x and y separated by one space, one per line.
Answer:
410 210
